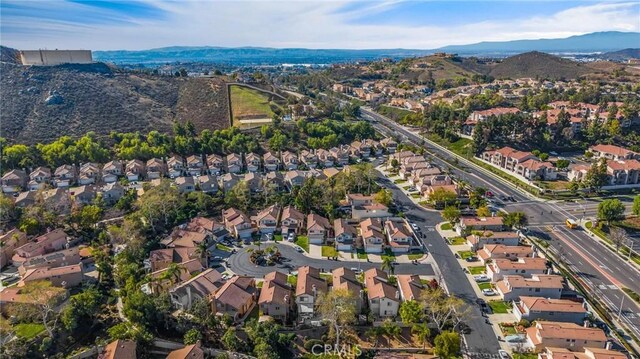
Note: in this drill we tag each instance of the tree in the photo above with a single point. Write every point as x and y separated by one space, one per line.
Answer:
617 237
391 329
423 333
230 340
483 211
192 336
309 197
88 216
411 312
45 299
611 210
387 264
596 176
8 212
239 196
515 219
81 306
160 205
441 195
447 345
338 307
451 214
442 309
562 164
636 205
384 197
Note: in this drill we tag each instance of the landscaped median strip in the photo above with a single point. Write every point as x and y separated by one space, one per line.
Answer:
623 252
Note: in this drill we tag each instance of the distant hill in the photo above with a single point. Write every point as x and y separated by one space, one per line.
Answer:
621 55
43 103
537 64
9 55
588 43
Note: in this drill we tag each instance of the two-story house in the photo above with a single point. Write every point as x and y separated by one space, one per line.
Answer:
156 168
480 238
525 267
9 241
135 170
89 174
267 220
234 163
309 159
64 176
271 162
111 171
344 233
384 298
236 297
237 223
559 310
289 161
276 297
411 286
495 251
39 178
468 224
399 235
372 235
318 228
253 162
564 335
292 221
175 166
308 287
345 279
195 165
215 163
14 181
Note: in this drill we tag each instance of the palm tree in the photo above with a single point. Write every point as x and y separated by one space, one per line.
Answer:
423 333
387 264
201 250
173 273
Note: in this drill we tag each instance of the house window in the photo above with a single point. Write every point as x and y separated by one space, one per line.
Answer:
388 304
277 308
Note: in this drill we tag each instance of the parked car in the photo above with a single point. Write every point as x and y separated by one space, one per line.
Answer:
356 270
503 354
299 249
291 237
481 278
471 259
488 292
415 227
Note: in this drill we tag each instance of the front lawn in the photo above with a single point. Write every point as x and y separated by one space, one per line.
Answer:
499 307
485 285
277 237
329 251
28 330
446 227
524 356
406 188
457 241
415 256
400 181
415 195
303 241
466 254
361 254
508 330
388 254
475 270
222 247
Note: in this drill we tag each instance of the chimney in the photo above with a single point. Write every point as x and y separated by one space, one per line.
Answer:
585 324
397 294
609 345
314 290
534 254
550 271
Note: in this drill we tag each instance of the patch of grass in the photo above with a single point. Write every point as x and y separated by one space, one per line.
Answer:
388 254
292 280
524 356
406 188
499 307
28 330
248 103
277 237
415 195
508 330
456 241
635 296
465 254
361 254
393 113
329 251
484 286
303 241
222 247
415 256
400 181
446 227
475 270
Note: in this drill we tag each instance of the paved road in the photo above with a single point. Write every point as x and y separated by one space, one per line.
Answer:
602 267
482 339
240 264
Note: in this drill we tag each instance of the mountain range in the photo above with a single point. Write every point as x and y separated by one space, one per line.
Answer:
597 42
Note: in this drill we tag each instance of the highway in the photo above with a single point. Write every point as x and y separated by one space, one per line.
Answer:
602 271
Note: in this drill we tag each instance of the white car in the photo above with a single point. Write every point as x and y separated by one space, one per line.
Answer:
299 249
481 278
488 292
292 237
503 354
415 227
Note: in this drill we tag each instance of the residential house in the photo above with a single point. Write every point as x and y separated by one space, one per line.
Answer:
294 178
185 184
156 168
372 236
237 223
25 199
201 287
234 163
309 159
276 296
253 162
612 152
14 181
161 258
507 158
254 181
330 172
111 171
65 277
427 177
525 267
366 207
495 251
389 144
512 287
559 310
481 116
291 220
89 174
399 235
46 243
479 239
564 335
361 149
192 351
215 163
271 162
119 349
289 161
236 297
159 282
112 192
267 220
228 181
175 166
411 287
195 165
318 228
316 173
345 279
135 170
533 169
384 298
84 195
275 181
344 234
341 157
64 176
61 258
185 238
21 295
589 353
623 173
308 286
8 243
325 158
208 183
39 178
207 226
467 224
57 200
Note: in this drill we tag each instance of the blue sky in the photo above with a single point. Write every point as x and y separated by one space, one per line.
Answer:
108 25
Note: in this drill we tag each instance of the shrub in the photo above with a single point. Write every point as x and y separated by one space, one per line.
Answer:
309 344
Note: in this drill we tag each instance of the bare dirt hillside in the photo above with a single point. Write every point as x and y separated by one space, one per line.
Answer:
42 103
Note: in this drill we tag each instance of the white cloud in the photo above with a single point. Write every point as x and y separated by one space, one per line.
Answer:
311 24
